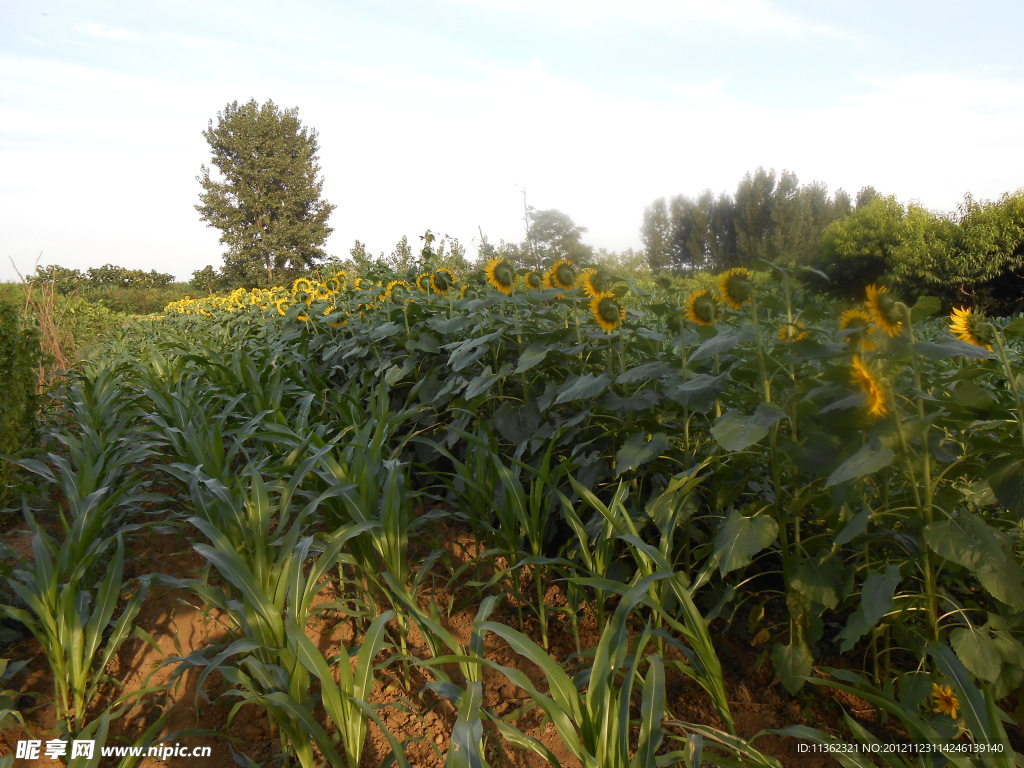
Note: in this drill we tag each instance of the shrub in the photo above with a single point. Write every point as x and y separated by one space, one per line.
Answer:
20 356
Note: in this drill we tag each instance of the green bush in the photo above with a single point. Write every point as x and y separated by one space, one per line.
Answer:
20 355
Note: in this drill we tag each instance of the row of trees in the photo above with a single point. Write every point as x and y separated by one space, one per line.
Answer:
771 217
974 255
108 276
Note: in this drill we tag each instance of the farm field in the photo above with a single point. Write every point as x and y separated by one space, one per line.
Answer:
539 519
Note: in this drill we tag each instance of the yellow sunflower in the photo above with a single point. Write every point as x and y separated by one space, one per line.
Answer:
534 280
884 310
594 281
871 386
607 311
859 327
397 291
965 324
945 700
500 274
423 282
282 305
562 275
332 284
442 281
736 288
302 284
321 291
795 331
702 307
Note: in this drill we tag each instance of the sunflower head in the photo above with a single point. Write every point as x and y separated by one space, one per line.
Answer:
795 331
736 288
301 297
702 307
397 291
442 281
594 281
870 386
534 280
321 291
500 274
424 282
968 326
302 284
562 275
858 327
607 311
332 284
944 701
884 309
282 305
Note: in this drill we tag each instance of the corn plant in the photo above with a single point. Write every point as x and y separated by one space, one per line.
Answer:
593 713
71 619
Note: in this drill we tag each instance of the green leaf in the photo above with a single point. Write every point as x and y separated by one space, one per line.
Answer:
699 391
925 307
1007 483
583 387
819 581
534 353
952 348
975 648
1015 328
481 383
871 457
734 431
643 400
739 538
638 450
517 422
875 601
969 541
644 372
793 663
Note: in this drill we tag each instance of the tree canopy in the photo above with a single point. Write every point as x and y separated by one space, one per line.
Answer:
267 201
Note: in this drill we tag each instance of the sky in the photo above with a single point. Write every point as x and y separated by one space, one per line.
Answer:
442 114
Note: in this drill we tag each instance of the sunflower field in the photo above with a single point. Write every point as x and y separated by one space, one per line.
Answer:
534 518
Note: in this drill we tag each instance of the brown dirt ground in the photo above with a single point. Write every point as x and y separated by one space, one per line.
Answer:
420 719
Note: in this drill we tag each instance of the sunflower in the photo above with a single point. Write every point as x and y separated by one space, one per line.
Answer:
858 326
702 307
594 281
607 311
871 387
442 281
967 326
884 310
397 290
534 280
302 284
282 305
500 274
795 331
562 275
423 282
332 284
946 702
736 288
321 292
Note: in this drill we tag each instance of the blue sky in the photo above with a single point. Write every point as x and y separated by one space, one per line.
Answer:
437 114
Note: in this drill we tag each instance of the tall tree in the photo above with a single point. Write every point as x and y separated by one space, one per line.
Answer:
656 234
754 223
556 236
266 202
